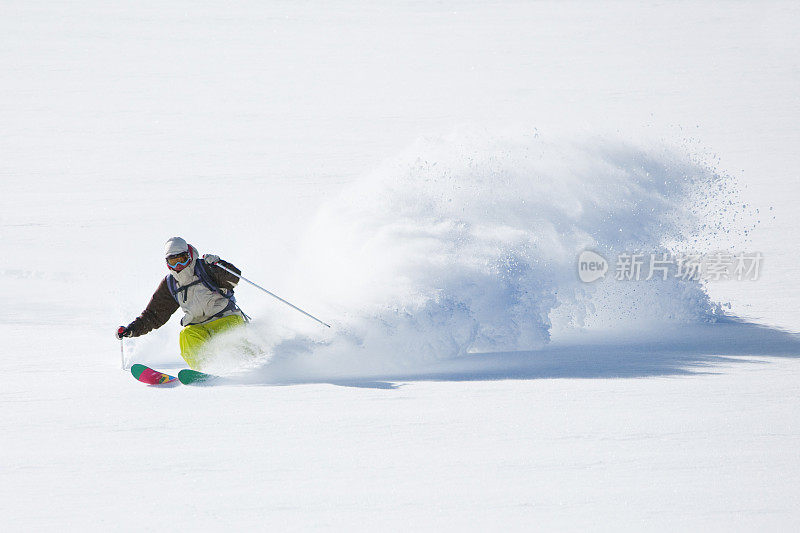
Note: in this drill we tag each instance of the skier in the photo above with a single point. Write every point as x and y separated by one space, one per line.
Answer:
204 292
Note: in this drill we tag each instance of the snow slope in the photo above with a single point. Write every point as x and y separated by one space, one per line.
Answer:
422 176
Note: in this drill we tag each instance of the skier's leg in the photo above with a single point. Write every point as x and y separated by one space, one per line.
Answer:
229 323
192 339
223 324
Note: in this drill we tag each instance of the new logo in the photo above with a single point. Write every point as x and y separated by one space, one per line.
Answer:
591 266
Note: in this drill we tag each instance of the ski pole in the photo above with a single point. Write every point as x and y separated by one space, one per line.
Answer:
271 294
122 353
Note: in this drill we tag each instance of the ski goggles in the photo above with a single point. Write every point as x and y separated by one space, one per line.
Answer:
178 260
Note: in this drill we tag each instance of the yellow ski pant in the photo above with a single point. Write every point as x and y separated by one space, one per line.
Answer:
194 337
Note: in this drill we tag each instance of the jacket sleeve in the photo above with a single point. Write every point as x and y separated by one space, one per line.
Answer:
162 305
224 279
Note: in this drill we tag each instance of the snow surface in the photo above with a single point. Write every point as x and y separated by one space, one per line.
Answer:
422 176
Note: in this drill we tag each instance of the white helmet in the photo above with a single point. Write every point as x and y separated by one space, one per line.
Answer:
178 254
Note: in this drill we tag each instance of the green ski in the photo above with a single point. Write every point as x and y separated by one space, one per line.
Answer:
188 377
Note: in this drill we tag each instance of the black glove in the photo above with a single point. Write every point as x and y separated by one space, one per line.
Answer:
122 331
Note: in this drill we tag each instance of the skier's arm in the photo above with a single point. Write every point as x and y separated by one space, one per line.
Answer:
162 305
224 279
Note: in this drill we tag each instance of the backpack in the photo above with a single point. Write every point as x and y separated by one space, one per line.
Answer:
205 278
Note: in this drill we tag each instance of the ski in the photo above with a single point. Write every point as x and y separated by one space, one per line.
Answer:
151 377
188 377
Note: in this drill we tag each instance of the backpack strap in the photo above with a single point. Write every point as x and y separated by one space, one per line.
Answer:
172 285
174 289
201 272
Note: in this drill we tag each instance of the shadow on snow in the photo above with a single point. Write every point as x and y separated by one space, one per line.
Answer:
675 352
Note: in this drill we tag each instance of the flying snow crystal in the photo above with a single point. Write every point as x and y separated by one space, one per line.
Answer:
468 245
